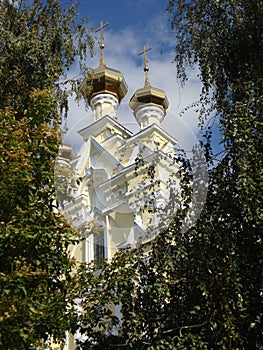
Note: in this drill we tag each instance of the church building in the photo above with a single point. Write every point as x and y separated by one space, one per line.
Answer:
123 180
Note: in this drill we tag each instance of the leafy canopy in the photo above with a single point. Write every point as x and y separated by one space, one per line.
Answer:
39 42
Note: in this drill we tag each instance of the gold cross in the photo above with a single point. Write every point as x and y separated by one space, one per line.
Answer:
145 49
100 29
146 68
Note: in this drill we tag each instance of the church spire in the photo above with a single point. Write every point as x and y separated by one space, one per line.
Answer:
149 104
146 68
103 87
102 57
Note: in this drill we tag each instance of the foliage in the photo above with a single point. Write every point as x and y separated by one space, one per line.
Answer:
199 288
224 39
194 289
38 43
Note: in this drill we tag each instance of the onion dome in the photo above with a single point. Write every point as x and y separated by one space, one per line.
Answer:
149 104
103 87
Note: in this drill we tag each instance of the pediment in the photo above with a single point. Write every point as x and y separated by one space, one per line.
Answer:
105 124
95 156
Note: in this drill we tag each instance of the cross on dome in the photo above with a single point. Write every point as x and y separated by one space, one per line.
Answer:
146 68
103 87
149 104
100 29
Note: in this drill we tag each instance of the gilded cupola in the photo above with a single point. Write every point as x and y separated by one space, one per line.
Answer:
103 87
149 104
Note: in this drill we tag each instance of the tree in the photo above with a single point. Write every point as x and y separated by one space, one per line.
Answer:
39 42
200 288
224 38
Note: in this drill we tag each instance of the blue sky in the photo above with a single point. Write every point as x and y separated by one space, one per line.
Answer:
133 24
123 13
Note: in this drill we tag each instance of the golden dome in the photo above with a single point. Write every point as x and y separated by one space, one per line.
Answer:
148 94
103 79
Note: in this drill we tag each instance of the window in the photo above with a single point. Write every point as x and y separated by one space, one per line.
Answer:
99 246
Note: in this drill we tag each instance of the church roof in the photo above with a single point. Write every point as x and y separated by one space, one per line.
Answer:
150 129
148 94
105 122
103 79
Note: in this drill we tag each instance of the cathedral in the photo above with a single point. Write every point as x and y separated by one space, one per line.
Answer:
122 181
